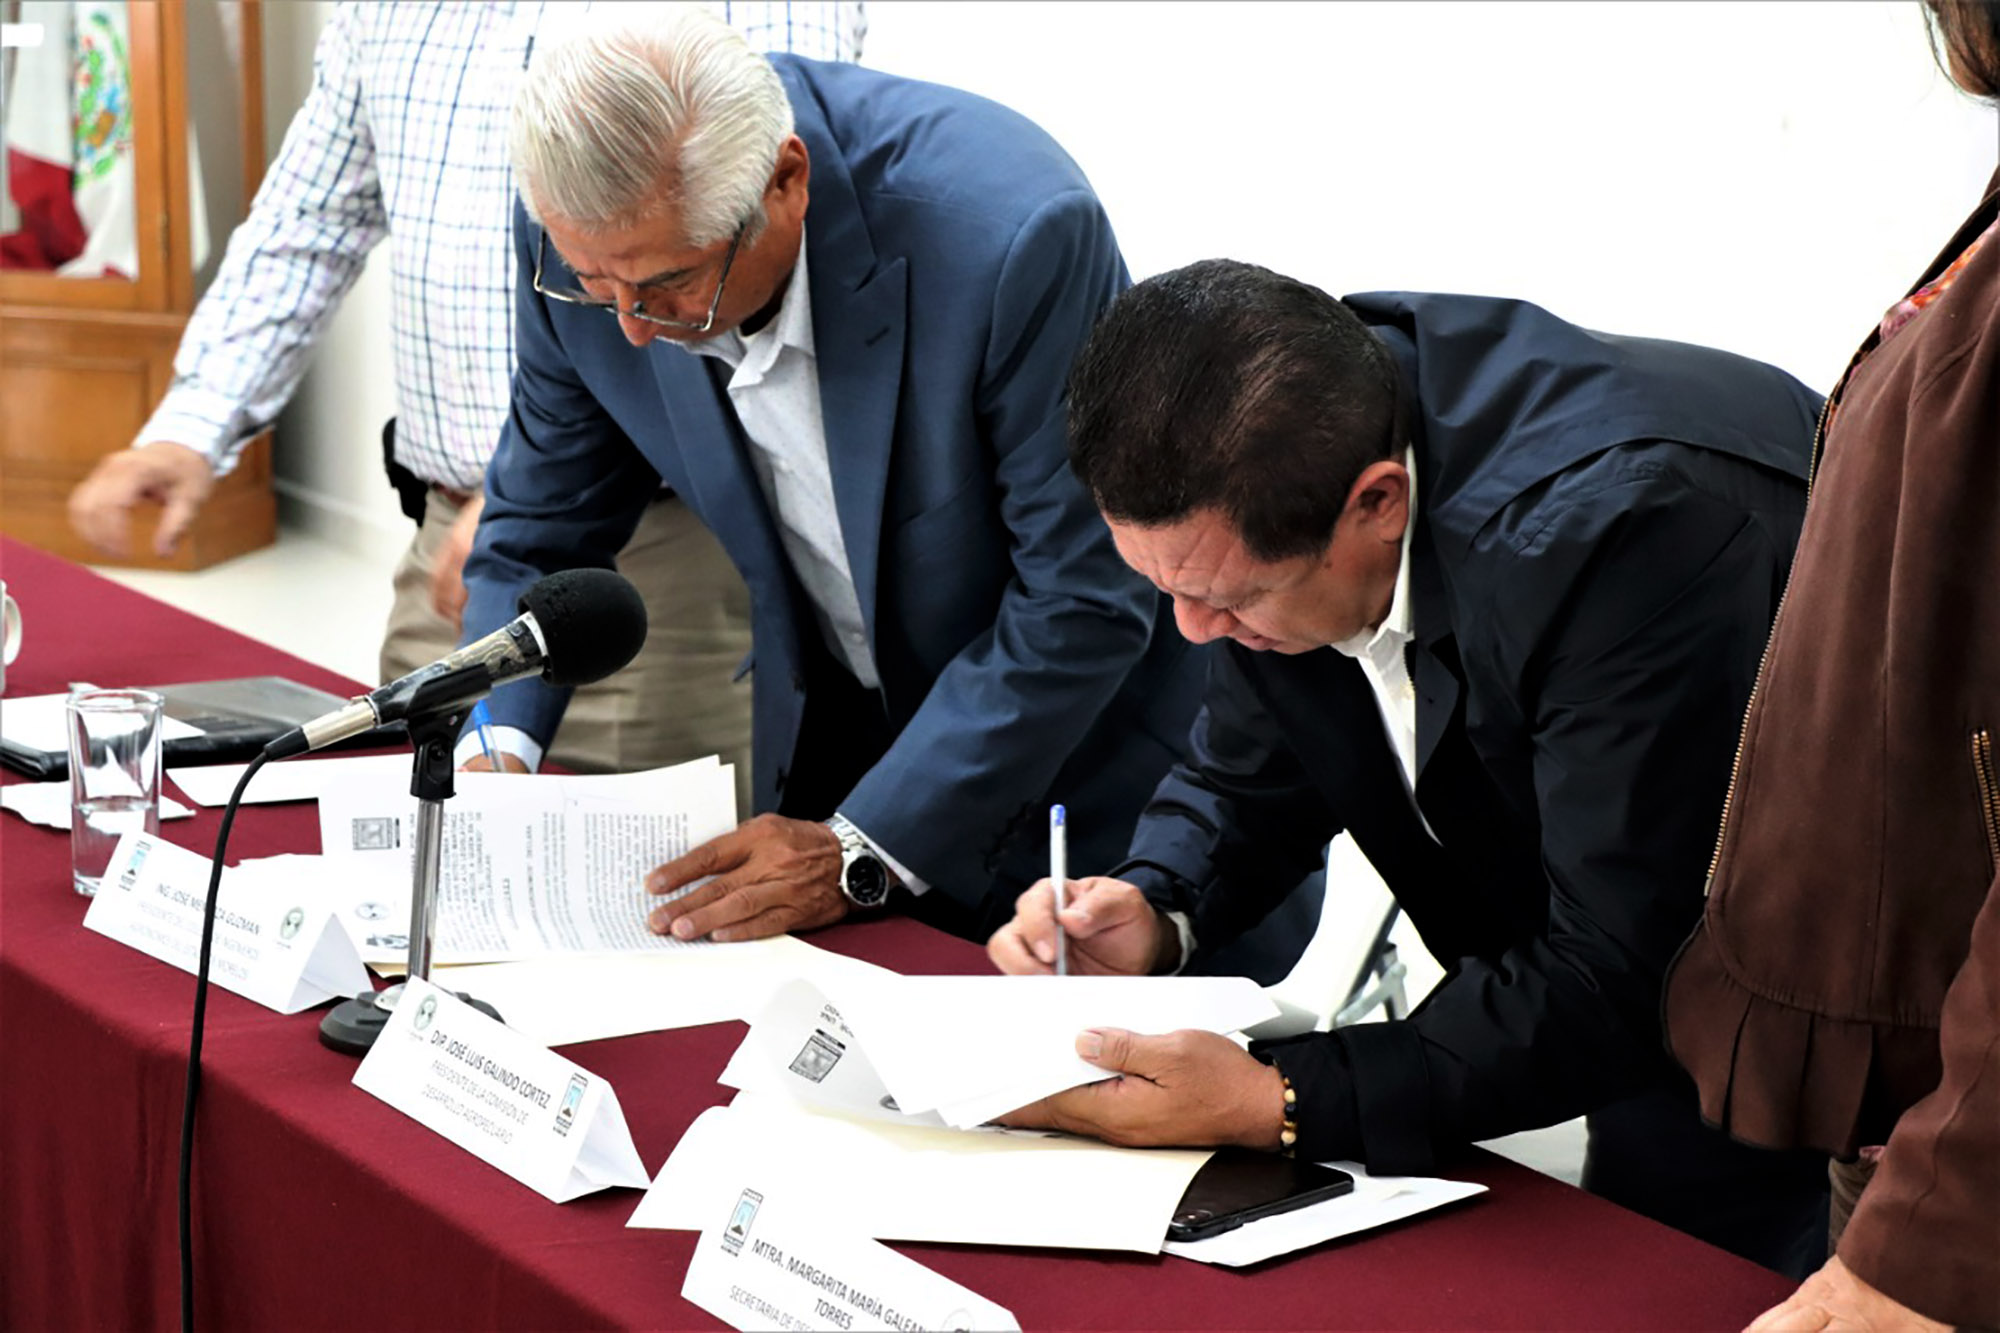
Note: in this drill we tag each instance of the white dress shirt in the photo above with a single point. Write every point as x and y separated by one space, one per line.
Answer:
1383 654
774 388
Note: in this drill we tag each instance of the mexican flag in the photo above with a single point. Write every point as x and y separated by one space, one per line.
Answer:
69 143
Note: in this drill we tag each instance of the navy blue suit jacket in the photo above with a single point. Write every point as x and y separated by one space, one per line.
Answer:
958 258
1603 532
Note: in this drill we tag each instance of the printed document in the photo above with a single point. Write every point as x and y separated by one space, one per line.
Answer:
531 864
959 1051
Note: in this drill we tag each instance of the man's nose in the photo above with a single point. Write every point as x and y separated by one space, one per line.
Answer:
1198 623
637 331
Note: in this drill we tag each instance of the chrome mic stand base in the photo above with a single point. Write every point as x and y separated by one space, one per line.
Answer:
353 1025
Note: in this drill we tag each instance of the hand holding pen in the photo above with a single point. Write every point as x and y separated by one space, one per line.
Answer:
1059 882
1104 927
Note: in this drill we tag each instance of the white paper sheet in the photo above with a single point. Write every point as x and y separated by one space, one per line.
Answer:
1375 1202
967 1048
300 779
531 865
47 804
37 722
903 1182
564 998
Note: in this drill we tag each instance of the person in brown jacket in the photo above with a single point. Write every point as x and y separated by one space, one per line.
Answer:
1843 990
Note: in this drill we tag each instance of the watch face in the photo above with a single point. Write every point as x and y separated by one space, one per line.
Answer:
867 881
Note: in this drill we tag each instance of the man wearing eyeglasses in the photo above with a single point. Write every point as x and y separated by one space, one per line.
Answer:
833 309
402 139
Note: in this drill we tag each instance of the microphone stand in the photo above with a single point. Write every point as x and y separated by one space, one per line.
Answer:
436 713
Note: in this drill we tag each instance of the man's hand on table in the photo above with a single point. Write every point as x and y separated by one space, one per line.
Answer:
1186 1089
770 875
177 477
1112 929
1834 1298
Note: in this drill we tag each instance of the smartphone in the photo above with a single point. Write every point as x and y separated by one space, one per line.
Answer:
1239 1185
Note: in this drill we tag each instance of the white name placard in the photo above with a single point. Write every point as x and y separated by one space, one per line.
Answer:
283 951
768 1262
549 1123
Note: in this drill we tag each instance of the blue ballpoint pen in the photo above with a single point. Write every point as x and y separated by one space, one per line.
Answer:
1059 881
482 723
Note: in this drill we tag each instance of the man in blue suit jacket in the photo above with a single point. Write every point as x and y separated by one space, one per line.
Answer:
1496 589
833 310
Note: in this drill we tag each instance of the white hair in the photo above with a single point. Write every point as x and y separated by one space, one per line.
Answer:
646 108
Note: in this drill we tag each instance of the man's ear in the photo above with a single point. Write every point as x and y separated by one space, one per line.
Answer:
787 194
1380 500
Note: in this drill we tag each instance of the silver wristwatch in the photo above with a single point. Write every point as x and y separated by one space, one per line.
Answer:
863 877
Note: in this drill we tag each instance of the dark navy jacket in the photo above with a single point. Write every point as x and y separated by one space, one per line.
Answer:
1604 528
957 259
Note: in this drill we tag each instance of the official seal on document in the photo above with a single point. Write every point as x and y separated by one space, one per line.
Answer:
377 833
818 1057
740 1219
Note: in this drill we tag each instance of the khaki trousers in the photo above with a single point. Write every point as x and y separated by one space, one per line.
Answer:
675 701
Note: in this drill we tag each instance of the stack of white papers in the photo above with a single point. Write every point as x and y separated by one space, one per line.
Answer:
48 803
992 1186
905 1182
39 722
959 1051
559 999
302 779
531 864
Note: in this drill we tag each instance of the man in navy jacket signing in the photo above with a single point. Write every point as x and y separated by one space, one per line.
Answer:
1494 589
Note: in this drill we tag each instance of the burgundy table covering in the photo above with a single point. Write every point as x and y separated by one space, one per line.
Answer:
317 1206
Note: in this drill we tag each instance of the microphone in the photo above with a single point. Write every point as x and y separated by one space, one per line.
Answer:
575 627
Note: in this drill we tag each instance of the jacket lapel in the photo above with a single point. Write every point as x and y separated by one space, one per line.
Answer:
722 486
859 321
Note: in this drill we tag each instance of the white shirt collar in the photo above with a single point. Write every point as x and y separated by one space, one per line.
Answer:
1387 639
792 326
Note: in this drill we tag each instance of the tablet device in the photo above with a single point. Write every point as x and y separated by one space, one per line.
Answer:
1238 1185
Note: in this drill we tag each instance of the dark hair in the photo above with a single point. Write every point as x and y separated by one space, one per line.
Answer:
1965 39
1224 386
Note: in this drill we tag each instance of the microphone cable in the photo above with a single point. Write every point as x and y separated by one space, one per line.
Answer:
185 1191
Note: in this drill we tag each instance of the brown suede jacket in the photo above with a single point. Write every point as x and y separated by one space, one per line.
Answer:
1844 986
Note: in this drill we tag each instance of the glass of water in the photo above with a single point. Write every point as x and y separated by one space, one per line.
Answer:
114 776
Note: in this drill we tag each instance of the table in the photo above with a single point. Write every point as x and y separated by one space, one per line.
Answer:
317 1206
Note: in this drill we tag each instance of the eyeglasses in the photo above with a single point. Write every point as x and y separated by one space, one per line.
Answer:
638 309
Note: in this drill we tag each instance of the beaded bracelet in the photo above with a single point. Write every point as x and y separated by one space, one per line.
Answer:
1288 1134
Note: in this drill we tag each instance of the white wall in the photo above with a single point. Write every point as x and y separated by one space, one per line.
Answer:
1762 177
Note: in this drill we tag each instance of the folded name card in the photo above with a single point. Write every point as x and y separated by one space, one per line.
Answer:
766 1262
547 1122
283 951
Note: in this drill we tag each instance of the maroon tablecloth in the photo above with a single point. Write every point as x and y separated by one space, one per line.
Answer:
319 1207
